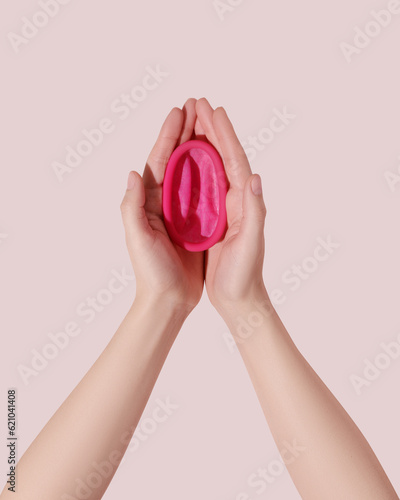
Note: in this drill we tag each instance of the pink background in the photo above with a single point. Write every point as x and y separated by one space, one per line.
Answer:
323 175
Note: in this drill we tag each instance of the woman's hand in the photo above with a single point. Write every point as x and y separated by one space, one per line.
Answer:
233 267
163 270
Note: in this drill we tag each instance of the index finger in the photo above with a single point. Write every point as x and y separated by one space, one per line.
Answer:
170 132
236 163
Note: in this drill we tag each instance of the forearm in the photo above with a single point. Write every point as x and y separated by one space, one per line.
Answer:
105 405
335 461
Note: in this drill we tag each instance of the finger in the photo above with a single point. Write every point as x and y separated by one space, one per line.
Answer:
189 119
198 129
136 224
205 114
153 174
205 122
236 163
254 211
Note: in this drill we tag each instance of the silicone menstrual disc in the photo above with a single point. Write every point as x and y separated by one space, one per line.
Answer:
194 194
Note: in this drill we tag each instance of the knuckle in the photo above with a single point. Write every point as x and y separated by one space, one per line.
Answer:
262 212
126 206
159 160
236 161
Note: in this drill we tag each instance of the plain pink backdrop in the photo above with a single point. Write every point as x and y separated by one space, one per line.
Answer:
323 175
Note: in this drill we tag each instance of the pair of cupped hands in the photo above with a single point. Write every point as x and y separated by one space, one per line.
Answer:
232 268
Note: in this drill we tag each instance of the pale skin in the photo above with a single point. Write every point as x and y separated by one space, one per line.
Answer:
335 462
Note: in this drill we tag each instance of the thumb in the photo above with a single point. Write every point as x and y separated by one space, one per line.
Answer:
254 211
136 224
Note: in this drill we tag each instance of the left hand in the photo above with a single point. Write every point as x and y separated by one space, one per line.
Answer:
164 271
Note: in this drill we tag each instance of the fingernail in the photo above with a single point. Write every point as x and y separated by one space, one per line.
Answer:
131 180
256 185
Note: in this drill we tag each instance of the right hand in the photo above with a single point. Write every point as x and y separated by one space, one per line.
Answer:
233 273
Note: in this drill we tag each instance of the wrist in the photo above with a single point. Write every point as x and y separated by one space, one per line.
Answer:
247 316
151 326
244 302
161 306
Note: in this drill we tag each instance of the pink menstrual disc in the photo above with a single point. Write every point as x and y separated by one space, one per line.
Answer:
194 194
